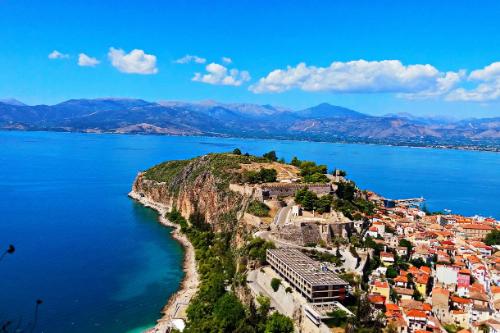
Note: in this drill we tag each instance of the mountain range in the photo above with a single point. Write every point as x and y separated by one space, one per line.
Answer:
323 122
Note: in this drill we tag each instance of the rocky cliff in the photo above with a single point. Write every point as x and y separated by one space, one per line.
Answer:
199 185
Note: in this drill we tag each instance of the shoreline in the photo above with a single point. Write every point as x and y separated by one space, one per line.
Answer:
177 302
436 146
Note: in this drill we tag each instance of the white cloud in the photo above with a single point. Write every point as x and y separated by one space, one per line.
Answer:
359 76
57 55
443 86
227 60
487 89
220 75
87 61
190 58
134 62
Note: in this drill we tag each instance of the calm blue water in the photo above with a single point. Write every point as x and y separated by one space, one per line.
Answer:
102 263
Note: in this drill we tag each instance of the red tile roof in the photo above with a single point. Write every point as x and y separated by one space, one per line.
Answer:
416 314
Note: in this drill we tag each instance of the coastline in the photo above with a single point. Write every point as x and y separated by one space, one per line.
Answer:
436 146
178 302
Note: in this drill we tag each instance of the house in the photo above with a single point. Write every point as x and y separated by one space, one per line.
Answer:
480 273
447 275
461 303
392 311
421 283
379 226
372 232
381 287
480 308
386 258
403 293
440 303
417 320
460 317
401 281
463 282
481 249
402 251
377 300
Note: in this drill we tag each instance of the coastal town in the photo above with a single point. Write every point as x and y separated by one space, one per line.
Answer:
420 271
335 258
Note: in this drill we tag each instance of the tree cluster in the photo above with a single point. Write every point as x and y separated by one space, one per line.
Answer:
256 249
310 171
262 176
310 201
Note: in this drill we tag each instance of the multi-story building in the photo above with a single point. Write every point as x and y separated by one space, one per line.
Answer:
476 230
314 281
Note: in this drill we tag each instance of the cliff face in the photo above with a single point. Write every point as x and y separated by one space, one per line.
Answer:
198 185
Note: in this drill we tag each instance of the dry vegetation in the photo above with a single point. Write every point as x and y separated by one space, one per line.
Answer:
285 171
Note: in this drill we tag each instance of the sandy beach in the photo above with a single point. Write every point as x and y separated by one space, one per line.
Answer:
177 303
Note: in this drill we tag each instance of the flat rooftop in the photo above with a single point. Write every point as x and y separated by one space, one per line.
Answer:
309 269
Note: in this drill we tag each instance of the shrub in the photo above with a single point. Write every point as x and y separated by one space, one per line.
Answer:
288 290
258 208
275 284
278 323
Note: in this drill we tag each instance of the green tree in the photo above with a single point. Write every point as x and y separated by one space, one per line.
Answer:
323 204
295 161
391 272
493 238
268 175
228 312
316 178
419 262
338 317
264 305
257 247
346 190
237 151
271 156
278 323
309 200
275 284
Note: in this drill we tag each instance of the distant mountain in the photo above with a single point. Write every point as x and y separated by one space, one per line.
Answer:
11 101
321 122
327 111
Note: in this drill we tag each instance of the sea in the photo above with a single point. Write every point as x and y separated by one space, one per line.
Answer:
100 262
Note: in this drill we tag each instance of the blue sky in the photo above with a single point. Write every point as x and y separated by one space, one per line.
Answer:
423 57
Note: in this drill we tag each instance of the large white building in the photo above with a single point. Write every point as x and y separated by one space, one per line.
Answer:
314 281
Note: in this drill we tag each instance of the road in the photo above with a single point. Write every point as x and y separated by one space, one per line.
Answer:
282 216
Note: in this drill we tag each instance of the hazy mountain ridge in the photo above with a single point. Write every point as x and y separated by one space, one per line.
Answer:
322 122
